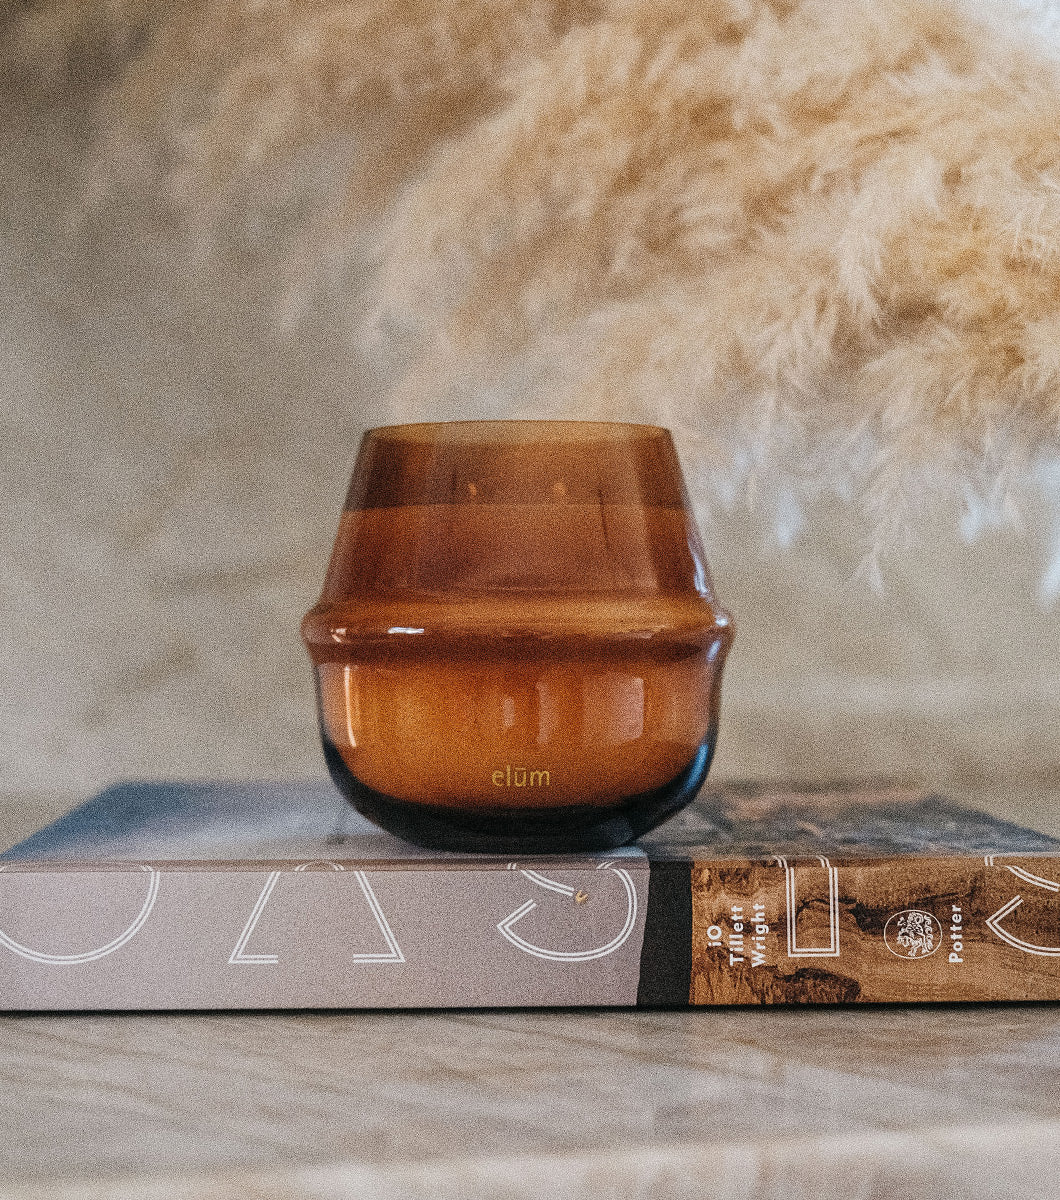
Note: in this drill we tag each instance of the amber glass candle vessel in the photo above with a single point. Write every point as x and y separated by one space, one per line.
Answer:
517 648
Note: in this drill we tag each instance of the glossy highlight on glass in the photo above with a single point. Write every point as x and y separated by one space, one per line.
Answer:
517 647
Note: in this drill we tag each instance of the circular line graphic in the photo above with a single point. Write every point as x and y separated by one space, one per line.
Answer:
506 926
70 960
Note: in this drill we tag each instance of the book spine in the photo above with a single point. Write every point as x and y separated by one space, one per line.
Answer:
795 931
321 934
617 931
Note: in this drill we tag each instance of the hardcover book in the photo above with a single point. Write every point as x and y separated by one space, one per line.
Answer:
207 896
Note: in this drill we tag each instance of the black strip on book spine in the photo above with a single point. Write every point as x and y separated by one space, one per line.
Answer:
666 956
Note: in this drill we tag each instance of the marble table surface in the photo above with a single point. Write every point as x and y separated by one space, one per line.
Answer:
852 1103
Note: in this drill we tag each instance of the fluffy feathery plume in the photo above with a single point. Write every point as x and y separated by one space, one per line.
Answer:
822 240
203 97
827 239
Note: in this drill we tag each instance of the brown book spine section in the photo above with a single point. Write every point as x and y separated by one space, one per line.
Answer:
820 931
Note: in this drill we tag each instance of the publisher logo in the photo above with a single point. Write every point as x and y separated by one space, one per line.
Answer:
912 933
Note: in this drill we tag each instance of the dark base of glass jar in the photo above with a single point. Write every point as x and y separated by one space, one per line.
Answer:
559 830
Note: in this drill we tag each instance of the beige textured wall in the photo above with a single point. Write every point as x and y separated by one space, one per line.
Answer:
170 477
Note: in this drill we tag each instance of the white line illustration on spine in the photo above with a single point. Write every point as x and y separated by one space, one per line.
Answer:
392 954
239 954
545 882
1049 884
88 956
994 922
1022 873
506 927
791 896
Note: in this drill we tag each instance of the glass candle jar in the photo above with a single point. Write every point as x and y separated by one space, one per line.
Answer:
517 648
